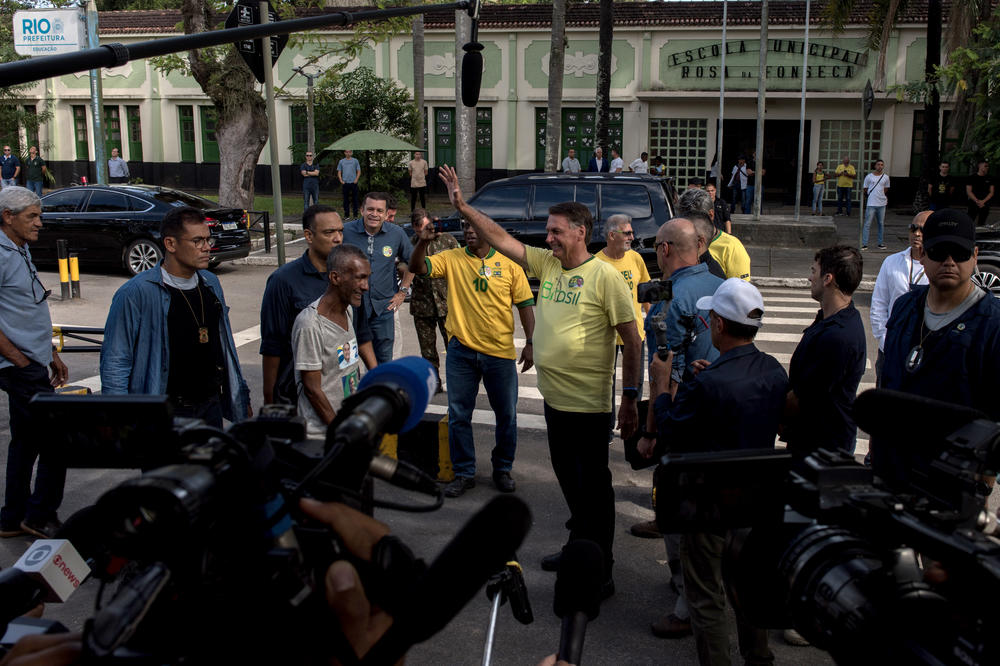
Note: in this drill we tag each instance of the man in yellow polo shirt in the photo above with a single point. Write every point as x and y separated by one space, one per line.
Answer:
582 302
619 253
846 173
482 286
698 207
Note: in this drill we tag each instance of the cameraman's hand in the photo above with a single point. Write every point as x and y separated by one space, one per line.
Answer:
551 661
699 365
659 371
44 650
646 446
363 624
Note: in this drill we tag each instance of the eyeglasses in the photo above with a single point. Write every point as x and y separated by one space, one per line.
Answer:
916 227
35 281
200 241
666 242
6 150
630 234
941 252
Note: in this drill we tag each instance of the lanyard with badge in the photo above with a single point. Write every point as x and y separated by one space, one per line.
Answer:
913 281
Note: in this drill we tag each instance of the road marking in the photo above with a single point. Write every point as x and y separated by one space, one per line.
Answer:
486 417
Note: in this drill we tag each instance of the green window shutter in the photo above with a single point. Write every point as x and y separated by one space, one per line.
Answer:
134 133
484 138
444 136
540 116
209 145
112 131
186 116
80 132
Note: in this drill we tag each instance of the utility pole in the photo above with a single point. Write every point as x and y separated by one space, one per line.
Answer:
310 109
272 132
97 98
758 192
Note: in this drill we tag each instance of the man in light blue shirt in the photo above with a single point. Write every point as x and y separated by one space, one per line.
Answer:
571 164
117 168
26 358
348 173
384 244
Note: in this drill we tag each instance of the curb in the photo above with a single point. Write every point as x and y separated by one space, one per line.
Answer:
799 283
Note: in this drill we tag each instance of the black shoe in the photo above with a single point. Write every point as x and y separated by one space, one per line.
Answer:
46 530
503 482
646 530
551 562
458 487
7 532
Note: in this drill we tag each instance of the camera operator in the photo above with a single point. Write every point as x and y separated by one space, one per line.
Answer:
829 360
735 402
677 256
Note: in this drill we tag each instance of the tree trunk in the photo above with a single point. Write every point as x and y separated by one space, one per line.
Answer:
241 127
932 108
418 76
465 120
557 61
883 45
605 37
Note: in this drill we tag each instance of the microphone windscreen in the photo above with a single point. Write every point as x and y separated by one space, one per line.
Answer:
910 419
472 73
579 580
480 549
414 375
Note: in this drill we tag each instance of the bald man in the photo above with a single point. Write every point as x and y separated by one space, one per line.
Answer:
900 273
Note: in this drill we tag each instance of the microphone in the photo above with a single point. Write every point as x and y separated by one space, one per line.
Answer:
481 548
403 475
472 61
577 595
50 570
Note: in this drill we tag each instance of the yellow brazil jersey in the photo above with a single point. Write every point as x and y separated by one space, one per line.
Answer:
819 177
574 334
843 180
480 294
633 269
731 255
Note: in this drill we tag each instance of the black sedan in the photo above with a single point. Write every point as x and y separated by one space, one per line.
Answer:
120 225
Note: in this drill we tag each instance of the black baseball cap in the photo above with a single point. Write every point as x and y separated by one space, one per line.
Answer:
949 225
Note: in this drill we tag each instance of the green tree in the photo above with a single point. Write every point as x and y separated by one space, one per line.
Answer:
14 116
606 27
360 100
557 62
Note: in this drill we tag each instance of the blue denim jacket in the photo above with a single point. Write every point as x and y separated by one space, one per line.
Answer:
135 356
689 284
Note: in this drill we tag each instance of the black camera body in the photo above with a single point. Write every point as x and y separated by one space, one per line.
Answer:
822 543
654 290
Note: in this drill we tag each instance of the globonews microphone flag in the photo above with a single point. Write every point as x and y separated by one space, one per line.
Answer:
414 376
56 565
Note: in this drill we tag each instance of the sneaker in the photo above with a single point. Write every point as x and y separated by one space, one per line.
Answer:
864 248
646 530
458 487
671 626
551 562
793 637
8 532
503 482
881 246
46 530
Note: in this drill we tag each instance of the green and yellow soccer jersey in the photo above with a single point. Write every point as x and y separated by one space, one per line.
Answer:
480 295
633 270
574 337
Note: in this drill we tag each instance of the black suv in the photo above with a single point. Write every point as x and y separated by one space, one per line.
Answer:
521 206
988 264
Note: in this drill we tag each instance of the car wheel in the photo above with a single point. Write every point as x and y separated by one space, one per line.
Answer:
988 277
142 255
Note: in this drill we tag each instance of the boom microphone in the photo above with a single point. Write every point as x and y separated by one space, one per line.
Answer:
472 61
577 595
480 549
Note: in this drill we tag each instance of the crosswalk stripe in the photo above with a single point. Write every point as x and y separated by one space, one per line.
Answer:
486 417
789 309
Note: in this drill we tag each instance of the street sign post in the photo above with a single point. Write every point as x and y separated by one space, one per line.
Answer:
247 12
868 99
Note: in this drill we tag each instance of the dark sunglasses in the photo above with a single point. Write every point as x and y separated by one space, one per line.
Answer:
941 252
916 227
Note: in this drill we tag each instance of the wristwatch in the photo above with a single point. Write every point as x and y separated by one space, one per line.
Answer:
630 392
407 290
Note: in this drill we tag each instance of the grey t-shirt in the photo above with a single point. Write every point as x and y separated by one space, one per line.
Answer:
936 322
320 344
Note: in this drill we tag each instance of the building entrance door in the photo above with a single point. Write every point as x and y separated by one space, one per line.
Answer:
781 146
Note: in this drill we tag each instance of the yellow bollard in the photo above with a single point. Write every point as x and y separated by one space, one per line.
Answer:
74 275
62 253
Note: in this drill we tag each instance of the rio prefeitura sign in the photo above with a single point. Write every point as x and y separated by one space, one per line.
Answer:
45 32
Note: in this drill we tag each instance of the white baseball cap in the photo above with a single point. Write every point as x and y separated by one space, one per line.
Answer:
735 300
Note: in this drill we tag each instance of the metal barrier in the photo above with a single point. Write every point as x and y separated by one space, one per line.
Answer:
61 333
259 222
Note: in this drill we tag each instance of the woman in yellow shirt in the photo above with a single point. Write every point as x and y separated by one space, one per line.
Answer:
819 187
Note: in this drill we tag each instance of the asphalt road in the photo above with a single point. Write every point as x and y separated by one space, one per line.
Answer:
621 633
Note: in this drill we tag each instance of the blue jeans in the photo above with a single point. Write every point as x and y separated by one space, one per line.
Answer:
383 329
818 198
464 368
877 212
843 197
20 504
35 186
8 182
748 199
310 190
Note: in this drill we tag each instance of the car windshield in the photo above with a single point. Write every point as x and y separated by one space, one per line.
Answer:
177 199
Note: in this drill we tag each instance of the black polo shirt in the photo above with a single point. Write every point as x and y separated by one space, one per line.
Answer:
824 373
